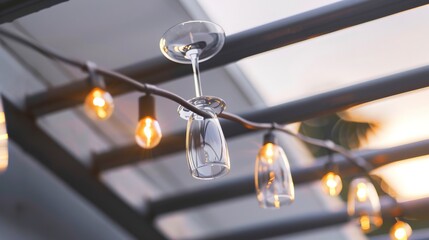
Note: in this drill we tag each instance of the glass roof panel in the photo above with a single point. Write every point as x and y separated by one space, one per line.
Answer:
254 12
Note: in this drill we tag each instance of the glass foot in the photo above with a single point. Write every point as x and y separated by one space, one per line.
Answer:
207 37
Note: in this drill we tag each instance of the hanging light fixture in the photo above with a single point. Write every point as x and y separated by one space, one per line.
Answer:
148 132
331 181
273 179
332 184
4 152
400 231
206 149
363 203
98 103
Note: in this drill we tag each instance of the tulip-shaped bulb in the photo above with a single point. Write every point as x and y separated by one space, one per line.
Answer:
332 184
400 231
206 148
148 132
4 153
99 104
273 179
363 202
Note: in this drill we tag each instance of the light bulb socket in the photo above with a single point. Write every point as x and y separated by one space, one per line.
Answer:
147 106
270 137
95 79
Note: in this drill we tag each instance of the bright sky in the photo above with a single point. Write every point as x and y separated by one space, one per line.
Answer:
364 52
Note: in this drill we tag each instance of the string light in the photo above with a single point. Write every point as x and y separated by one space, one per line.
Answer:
400 231
148 132
363 202
273 179
332 184
98 103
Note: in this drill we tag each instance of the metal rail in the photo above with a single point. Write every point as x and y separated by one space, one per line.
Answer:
32 139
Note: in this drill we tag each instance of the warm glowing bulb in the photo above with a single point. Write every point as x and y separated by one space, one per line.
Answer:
365 223
363 203
361 192
148 133
99 104
332 184
268 152
4 153
273 179
400 231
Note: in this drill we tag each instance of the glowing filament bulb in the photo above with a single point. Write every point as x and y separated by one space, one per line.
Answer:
273 180
365 223
364 204
361 192
4 153
268 152
400 231
332 184
148 133
99 104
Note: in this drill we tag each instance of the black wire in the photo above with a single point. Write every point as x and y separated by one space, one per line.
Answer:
148 88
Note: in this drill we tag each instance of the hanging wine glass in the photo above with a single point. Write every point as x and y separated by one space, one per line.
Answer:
206 150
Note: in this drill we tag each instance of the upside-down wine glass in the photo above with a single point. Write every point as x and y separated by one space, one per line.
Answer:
206 149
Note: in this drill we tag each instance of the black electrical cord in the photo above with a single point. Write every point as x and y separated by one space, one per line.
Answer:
148 88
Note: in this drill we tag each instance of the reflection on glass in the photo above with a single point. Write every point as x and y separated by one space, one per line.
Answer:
273 179
206 148
363 202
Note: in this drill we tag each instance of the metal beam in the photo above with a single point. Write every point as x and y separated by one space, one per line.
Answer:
32 139
245 185
274 35
13 9
299 110
390 209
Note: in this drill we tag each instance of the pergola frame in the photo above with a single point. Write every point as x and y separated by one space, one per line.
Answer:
303 26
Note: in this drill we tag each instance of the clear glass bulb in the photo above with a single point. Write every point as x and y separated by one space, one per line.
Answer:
332 184
148 133
273 179
363 202
99 104
4 153
400 231
206 149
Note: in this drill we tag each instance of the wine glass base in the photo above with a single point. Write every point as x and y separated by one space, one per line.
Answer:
215 103
206 37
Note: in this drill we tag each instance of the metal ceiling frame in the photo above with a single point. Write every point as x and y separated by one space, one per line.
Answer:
264 38
390 209
13 9
25 132
303 26
245 185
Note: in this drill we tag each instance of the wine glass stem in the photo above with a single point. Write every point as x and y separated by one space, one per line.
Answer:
195 66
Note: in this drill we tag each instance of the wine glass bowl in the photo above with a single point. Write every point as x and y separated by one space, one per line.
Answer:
206 37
